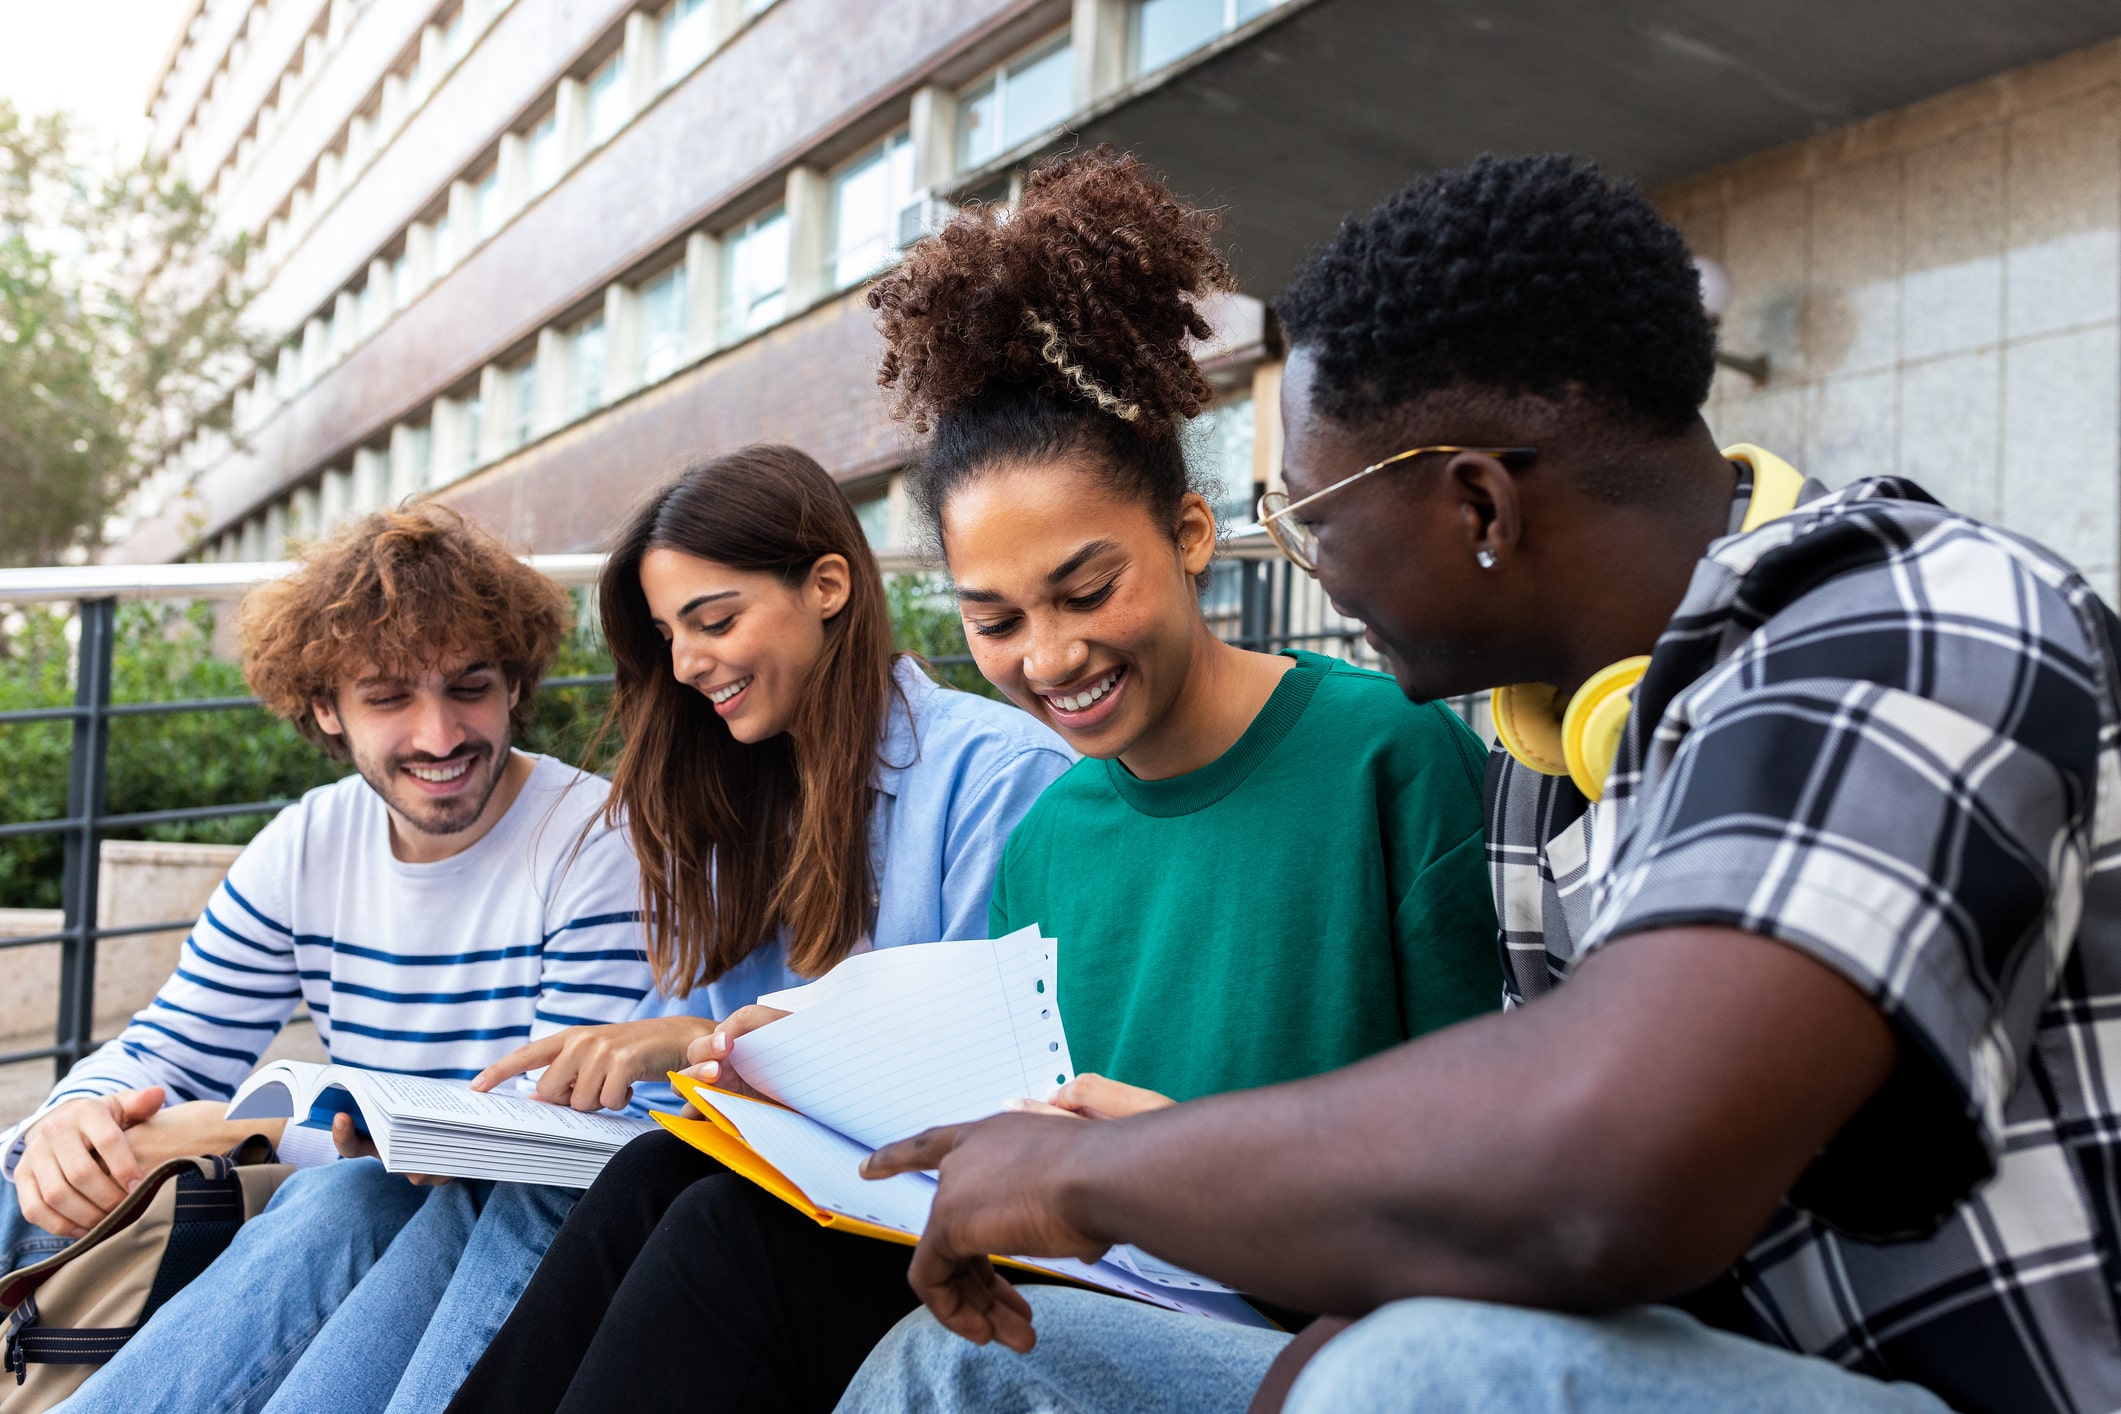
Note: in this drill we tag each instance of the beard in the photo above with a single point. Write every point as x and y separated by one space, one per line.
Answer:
454 815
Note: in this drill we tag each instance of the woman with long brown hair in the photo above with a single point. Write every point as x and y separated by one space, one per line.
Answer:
795 792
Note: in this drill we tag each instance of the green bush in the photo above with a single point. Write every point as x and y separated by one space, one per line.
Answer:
161 762
172 761
925 621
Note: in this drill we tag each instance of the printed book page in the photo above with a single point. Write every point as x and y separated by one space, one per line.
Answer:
455 1104
890 1043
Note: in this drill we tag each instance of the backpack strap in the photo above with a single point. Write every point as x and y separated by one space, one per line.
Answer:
209 1210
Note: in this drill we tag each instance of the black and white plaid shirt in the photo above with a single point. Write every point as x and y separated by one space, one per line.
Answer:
1887 735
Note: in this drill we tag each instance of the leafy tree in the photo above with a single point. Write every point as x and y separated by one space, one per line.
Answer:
119 332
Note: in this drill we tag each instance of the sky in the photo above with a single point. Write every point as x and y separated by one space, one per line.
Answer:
93 58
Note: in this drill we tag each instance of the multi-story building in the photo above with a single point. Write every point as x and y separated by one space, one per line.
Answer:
533 254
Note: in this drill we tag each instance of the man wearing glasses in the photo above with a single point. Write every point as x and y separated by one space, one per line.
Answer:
1803 838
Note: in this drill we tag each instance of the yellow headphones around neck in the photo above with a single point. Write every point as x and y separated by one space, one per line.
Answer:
1581 740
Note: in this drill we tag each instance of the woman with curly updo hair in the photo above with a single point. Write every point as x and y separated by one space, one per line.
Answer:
1267 865
1249 835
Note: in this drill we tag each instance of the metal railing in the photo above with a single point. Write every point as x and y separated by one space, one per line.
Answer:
1257 601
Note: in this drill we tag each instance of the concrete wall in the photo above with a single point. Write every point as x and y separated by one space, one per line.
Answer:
1939 292
141 882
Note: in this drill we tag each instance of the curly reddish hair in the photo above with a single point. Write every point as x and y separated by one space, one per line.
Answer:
398 591
1097 251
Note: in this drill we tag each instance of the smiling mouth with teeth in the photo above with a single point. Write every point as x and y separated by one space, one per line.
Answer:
439 775
723 694
1089 696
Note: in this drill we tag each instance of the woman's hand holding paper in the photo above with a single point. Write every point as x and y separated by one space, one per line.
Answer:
595 1067
707 1058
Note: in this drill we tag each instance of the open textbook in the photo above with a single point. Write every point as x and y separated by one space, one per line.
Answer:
442 1127
888 1044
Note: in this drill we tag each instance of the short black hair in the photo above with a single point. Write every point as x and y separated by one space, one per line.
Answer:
1525 275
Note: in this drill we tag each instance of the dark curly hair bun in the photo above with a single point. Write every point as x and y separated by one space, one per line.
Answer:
1527 275
1083 292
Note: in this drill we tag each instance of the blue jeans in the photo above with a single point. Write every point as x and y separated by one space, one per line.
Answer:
22 1242
423 1316
1438 1356
229 1339
354 1291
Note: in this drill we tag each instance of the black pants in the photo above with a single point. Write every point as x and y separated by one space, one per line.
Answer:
675 1284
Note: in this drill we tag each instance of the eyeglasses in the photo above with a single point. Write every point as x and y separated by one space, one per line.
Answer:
1296 539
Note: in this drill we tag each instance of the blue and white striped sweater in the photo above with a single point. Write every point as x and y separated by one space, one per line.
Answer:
424 969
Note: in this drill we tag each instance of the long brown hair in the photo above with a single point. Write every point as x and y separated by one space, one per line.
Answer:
736 841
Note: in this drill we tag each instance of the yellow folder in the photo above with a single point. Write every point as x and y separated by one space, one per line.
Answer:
717 1138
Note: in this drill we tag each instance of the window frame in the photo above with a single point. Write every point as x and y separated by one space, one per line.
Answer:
886 153
580 399
731 327
656 343
611 75
698 13
996 79
1232 20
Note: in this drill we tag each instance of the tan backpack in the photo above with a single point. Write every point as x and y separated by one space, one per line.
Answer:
74 1310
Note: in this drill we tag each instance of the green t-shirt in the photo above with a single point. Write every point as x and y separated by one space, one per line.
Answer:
1316 894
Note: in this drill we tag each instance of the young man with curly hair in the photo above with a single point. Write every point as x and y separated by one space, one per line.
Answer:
1810 1093
448 900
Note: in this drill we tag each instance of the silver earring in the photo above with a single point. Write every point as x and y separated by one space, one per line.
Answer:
1484 558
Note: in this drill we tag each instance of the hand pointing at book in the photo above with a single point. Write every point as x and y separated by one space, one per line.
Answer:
595 1067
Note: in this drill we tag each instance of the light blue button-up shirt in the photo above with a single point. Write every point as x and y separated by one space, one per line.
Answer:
957 772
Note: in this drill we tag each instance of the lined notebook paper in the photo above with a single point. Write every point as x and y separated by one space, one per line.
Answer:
890 1043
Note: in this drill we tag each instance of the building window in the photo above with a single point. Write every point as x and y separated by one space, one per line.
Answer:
456 36
374 305
756 260
419 459
401 280
663 319
522 409
542 154
874 515
1223 448
1168 30
445 245
687 37
486 203
586 353
1014 103
472 422
607 100
870 195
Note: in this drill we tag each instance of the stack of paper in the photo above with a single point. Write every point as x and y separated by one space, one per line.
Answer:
441 1127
